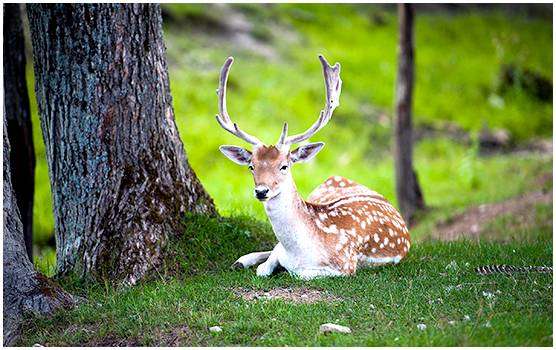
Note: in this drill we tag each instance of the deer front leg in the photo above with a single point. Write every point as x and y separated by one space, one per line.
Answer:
273 261
250 259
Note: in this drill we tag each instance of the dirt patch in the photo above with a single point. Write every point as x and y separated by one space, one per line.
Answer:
294 295
491 141
177 336
222 22
472 223
112 341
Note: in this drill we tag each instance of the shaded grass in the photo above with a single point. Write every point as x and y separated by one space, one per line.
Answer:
433 286
208 243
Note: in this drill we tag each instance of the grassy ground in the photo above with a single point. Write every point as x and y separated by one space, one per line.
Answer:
459 57
434 286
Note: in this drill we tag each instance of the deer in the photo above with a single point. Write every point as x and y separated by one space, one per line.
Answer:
342 226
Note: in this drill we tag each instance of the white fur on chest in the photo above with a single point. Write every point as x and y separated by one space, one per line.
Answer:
301 251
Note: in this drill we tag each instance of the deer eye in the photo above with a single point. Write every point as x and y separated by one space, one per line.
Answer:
251 167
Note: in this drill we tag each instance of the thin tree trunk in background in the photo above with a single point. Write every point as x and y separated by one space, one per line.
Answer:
18 115
24 289
119 174
408 191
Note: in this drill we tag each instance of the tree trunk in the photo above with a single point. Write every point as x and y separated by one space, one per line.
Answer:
16 105
119 174
409 193
24 289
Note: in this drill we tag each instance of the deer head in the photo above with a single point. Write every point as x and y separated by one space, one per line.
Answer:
271 165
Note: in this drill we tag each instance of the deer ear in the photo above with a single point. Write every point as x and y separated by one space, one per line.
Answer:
236 154
306 152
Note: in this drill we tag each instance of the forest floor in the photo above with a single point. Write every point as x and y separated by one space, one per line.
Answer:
433 297
482 210
276 77
477 220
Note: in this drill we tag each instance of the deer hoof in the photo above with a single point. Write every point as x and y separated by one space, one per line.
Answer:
264 270
237 266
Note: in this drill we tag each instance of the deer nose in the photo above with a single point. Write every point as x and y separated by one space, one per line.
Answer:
261 192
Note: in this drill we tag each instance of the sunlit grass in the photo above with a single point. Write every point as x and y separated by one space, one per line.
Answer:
458 58
434 286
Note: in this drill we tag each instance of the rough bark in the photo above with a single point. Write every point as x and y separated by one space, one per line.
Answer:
119 174
408 191
24 289
16 105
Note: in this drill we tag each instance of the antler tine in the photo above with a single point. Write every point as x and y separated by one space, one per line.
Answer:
223 117
333 85
283 135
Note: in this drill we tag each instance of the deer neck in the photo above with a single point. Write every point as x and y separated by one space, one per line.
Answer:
288 215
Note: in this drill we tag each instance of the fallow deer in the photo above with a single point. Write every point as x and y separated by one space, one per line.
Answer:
341 227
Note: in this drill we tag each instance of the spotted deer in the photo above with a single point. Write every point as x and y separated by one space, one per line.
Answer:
341 227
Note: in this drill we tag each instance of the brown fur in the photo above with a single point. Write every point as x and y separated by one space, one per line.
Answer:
267 161
364 214
340 208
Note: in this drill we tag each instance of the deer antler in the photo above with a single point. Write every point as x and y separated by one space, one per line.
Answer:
223 118
333 85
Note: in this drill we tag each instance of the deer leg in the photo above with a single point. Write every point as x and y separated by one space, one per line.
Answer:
273 261
251 259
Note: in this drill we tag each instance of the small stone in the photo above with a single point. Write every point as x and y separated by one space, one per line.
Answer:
488 294
331 328
453 265
466 318
38 345
421 326
451 323
215 329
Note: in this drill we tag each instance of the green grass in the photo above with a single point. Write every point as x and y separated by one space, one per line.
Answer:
458 59
519 228
264 94
382 306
